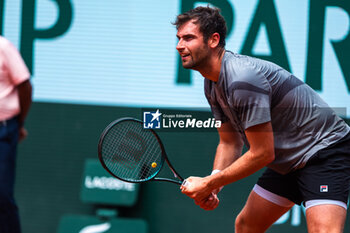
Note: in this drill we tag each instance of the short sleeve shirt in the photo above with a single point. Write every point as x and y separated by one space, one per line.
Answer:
252 91
13 72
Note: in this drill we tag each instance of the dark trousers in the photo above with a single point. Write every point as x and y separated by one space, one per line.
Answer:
9 217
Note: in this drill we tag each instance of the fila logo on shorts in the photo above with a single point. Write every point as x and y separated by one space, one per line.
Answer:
323 188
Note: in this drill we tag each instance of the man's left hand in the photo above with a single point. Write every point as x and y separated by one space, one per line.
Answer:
197 189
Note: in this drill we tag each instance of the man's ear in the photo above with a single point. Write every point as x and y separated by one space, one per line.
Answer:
214 40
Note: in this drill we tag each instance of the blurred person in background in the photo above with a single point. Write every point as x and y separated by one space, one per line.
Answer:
15 101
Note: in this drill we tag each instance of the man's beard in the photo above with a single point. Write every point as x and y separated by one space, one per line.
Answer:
201 61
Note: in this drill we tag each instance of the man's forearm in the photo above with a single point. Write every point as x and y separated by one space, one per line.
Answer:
25 100
225 155
246 165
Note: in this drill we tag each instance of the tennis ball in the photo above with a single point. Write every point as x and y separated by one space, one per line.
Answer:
154 164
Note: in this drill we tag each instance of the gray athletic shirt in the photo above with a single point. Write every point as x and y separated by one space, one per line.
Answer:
251 91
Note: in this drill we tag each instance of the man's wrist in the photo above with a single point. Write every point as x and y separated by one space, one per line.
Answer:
215 171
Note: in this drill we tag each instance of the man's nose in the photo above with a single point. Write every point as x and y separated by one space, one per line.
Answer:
180 46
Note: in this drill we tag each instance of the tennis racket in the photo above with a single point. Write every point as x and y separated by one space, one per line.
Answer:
133 154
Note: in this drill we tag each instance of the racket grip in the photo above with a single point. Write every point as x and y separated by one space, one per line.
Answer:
185 183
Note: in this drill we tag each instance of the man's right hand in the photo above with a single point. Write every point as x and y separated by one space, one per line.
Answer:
210 203
23 133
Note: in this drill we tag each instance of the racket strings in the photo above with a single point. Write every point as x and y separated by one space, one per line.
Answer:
129 151
154 151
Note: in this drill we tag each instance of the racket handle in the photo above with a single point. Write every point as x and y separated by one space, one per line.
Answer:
185 183
211 197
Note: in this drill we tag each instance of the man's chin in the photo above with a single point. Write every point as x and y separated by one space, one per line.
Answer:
187 66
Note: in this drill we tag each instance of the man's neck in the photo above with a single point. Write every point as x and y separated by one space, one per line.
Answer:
212 69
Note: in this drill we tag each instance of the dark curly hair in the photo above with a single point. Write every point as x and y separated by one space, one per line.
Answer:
209 19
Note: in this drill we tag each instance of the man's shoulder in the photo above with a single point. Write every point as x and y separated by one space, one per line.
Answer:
237 67
242 72
5 43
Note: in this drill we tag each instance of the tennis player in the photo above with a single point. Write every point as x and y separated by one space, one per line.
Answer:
284 124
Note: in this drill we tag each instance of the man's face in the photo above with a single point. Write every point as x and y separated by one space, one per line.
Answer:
191 46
